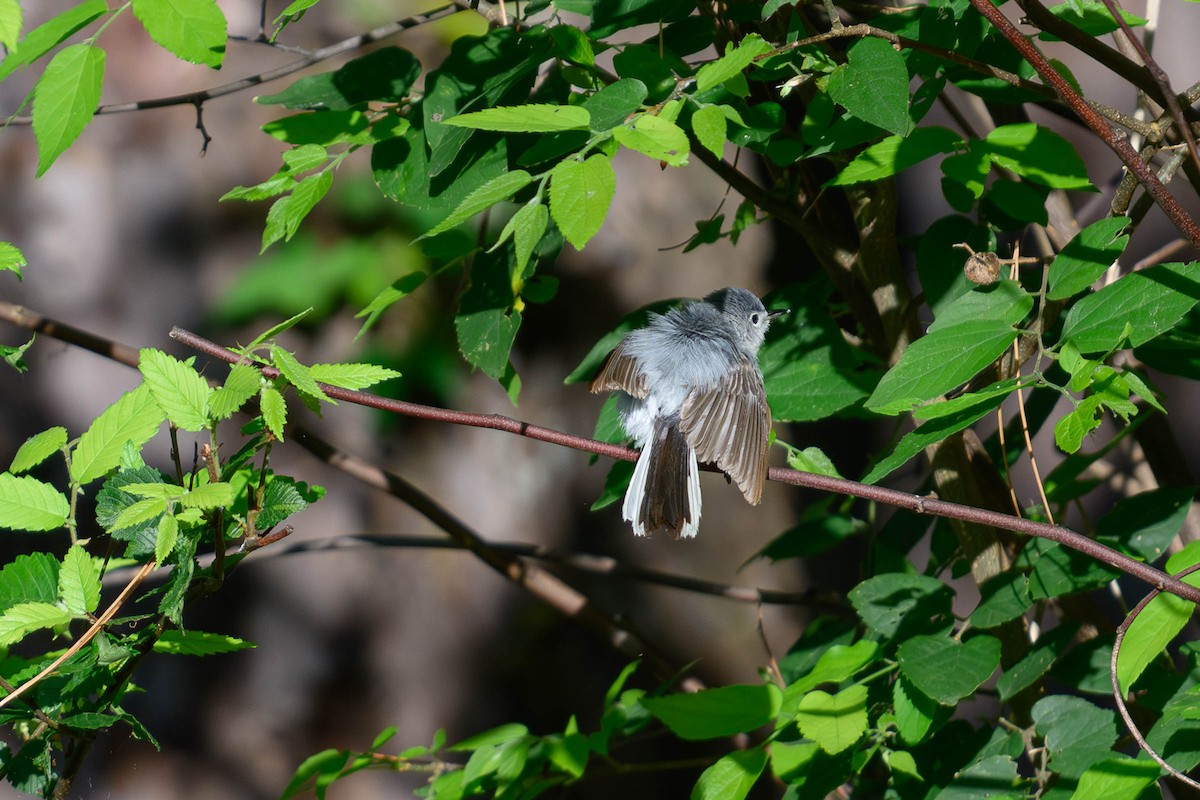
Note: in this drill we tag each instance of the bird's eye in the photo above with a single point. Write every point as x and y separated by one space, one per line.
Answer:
754 318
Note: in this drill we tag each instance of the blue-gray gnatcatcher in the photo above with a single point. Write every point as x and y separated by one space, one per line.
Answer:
691 391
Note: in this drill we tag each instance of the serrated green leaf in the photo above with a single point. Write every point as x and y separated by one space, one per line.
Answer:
534 118
274 410
736 58
154 489
1086 257
168 537
65 100
708 124
940 361
527 227
835 722
280 501
873 85
79 581
1117 779
11 19
731 777
27 504
351 376
899 605
400 288
193 30
713 713
580 194
177 388
30 577
135 417
199 643
25 618
1076 732
208 496
1150 302
11 258
286 214
896 153
486 196
48 35
655 137
140 512
296 373
38 448
242 383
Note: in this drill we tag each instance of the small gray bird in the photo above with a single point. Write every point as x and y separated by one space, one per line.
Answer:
691 391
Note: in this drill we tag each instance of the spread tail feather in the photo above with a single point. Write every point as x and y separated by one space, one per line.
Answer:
664 493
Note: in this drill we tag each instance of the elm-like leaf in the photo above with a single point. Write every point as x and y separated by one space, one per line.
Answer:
580 194
65 100
27 504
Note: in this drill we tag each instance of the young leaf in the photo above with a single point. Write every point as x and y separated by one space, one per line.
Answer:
736 58
65 100
580 193
27 504
243 382
527 227
655 137
25 618
274 410
836 664
836 721
275 330
486 196
208 496
38 448
713 713
79 582
1149 302
199 643
400 288
873 85
11 258
897 153
135 417
732 777
168 536
351 376
296 373
286 214
193 30
536 118
1086 257
177 388
1117 778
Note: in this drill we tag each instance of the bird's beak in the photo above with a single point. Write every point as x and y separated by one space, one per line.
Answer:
775 312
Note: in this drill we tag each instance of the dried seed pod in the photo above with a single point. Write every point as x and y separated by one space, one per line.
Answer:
982 269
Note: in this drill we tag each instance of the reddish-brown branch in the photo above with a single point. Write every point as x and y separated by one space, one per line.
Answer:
921 505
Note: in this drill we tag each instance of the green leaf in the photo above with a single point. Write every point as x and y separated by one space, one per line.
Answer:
916 714
274 410
873 85
141 512
275 330
27 504
835 722
1059 570
836 664
286 214
1091 17
1116 779
1004 597
902 762
38 448
496 736
1160 621
897 153
1150 302
614 103
487 323
527 227
655 137
177 388
1035 663
966 401
352 376
135 417
25 618
11 258
193 30
940 361
580 194
1077 733
208 496
535 118
322 768
737 57
79 581
1071 428
242 383
30 577
935 430
321 128
486 196
948 670
1087 256
1038 154
296 373
1003 301
572 44
280 501
993 778
899 605
714 713
199 643
814 460
731 777
386 75
11 19
50 34
400 288
708 124
65 100
1146 523
168 537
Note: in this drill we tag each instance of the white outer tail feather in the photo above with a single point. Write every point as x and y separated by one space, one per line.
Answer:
631 509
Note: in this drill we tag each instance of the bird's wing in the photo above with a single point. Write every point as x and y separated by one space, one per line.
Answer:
620 371
728 425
